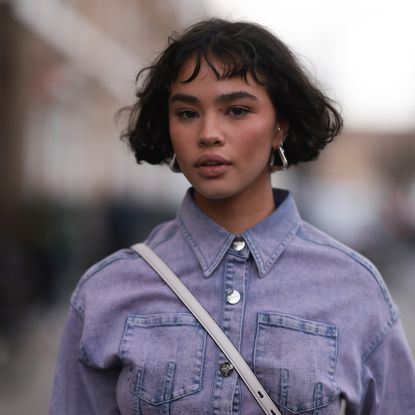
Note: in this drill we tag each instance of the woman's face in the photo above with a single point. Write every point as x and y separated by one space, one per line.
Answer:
222 132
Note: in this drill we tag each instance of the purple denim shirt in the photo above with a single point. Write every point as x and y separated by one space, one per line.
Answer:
311 317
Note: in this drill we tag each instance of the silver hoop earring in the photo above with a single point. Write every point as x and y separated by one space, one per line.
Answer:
173 165
280 162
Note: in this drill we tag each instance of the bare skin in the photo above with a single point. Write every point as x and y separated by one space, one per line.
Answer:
237 214
223 132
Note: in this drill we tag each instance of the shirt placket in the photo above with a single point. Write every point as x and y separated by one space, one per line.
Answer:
226 392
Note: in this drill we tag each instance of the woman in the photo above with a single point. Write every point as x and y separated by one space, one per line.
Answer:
226 104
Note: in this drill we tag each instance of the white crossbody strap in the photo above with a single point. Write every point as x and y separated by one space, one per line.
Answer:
210 326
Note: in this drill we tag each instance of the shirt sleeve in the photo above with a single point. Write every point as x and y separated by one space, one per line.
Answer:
79 388
389 377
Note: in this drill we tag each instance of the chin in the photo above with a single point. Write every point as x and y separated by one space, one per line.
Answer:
215 194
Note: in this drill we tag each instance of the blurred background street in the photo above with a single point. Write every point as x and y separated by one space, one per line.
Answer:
71 192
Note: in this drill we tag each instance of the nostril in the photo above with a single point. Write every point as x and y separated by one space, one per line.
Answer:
210 141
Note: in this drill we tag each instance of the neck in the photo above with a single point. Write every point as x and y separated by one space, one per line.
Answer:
238 213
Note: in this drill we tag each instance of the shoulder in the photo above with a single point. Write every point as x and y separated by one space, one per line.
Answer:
326 244
162 233
101 274
121 268
357 282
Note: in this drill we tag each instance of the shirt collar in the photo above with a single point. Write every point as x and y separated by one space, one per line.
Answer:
266 240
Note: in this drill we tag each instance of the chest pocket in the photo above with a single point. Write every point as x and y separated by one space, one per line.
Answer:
164 354
295 360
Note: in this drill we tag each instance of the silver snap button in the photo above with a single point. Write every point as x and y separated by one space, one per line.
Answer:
226 369
233 297
238 244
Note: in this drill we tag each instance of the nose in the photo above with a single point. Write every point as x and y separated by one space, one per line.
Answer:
210 134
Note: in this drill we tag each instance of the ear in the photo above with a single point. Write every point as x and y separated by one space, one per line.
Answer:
281 132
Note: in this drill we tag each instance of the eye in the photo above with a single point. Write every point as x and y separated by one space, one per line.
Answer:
238 111
187 114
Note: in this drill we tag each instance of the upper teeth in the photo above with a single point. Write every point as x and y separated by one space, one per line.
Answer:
211 163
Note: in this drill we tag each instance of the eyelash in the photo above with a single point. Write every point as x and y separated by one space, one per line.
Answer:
190 114
187 114
241 111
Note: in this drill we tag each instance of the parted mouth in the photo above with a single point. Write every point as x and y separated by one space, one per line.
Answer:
211 160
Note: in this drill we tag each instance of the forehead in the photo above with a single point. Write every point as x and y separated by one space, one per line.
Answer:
200 68
214 72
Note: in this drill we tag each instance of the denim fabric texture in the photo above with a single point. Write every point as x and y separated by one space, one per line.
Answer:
314 321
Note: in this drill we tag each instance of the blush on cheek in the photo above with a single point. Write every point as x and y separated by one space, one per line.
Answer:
258 147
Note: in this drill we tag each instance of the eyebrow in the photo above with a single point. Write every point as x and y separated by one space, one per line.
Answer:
189 99
224 98
233 96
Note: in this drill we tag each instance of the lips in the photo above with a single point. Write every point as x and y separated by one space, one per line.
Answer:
211 166
211 160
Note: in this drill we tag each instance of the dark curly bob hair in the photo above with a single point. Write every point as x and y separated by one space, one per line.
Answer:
243 49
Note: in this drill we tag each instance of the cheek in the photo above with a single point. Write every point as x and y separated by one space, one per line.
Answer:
181 146
176 134
172 128
257 139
